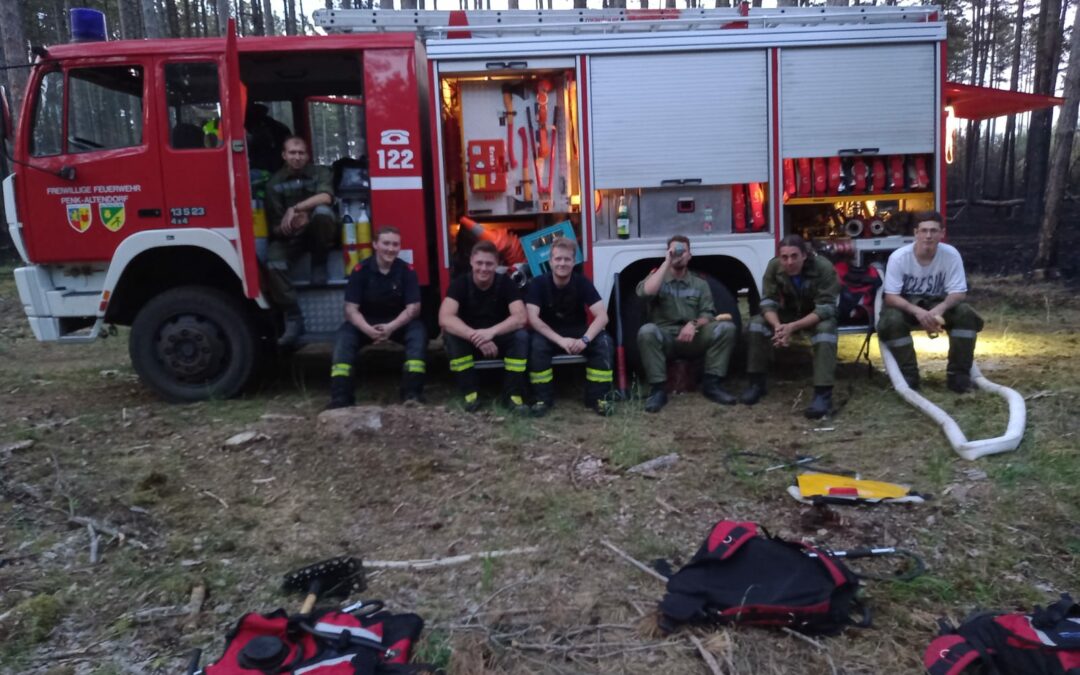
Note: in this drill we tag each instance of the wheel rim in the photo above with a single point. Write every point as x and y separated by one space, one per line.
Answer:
192 348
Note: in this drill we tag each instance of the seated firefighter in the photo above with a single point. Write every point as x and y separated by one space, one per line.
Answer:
556 303
266 138
300 217
682 322
925 287
800 291
382 303
482 314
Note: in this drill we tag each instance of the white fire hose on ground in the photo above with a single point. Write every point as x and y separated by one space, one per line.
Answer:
1014 432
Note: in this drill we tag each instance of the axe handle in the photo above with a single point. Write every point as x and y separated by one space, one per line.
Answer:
525 180
508 104
309 603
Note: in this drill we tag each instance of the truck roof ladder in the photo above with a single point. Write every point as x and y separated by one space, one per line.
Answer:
496 23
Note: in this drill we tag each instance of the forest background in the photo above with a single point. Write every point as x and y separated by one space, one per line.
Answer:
1021 169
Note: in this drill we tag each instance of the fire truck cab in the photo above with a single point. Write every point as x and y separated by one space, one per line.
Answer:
133 201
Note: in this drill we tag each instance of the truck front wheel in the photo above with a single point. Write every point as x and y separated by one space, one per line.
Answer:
193 343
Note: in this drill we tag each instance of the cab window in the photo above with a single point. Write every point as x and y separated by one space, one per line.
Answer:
193 102
105 108
47 137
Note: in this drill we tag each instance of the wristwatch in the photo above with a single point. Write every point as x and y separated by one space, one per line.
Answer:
585 339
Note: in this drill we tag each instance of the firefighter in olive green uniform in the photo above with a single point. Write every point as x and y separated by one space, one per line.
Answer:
299 199
682 322
800 292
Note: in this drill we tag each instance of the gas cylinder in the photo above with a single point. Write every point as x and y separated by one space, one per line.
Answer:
350 249
363 234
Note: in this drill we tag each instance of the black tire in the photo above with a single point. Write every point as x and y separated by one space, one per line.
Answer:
194 343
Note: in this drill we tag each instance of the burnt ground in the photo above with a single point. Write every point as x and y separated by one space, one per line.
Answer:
79 436
996 243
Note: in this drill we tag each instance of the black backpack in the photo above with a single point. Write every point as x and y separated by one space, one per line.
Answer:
1045 642
742 575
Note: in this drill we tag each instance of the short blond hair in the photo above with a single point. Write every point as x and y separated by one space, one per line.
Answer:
565 243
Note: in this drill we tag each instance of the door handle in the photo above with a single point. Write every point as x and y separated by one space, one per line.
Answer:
149 213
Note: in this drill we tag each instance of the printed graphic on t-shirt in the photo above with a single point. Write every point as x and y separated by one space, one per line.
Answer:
932 285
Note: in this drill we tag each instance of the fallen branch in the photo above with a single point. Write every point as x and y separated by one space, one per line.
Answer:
710 660
195 603
428 563
985 202
109 530
211 495
636 563
93 544
820 647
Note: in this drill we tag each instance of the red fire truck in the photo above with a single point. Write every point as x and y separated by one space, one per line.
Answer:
132 203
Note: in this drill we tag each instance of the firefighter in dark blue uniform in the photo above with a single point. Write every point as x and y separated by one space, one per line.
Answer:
483 315
556 304
382 302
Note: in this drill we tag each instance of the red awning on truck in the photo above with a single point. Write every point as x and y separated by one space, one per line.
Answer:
979 103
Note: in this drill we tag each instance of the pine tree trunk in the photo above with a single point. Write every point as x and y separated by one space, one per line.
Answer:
257 20
15 49
1038 137
222 10
1058 174
173 17
1007 174
150 18
290 17
268 17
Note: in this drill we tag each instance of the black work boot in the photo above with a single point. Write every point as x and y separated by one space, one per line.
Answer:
657 399
821 405
412 388
342 393
755 391
958 382
713 389
294 328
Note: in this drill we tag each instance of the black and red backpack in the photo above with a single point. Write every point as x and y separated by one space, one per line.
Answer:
1045 642
742 575
325 642
858 288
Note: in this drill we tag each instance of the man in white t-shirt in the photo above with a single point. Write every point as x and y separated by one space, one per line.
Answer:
925 288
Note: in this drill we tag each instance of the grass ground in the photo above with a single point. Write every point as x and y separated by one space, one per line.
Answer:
1001 532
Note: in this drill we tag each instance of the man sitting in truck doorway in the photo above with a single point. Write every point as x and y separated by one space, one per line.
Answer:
800 291
556 303
382 303
925 287
298 210
682 322
482 314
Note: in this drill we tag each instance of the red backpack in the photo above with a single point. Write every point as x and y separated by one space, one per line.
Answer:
743 575
858 288
325 642
1045 642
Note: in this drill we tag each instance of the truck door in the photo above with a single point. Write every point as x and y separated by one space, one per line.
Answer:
194 159
93 160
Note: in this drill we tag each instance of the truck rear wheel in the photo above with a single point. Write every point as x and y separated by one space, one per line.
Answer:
193 343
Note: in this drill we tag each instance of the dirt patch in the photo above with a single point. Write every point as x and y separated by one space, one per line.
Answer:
436 482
